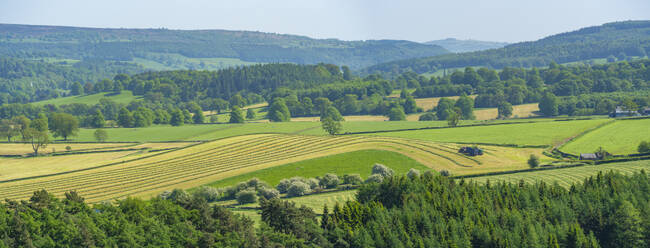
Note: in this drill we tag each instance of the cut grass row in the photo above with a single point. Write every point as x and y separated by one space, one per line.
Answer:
205 163
567 176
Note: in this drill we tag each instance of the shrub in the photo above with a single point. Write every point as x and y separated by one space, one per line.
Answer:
445 173
533 161
329 181
210 194
179 196
312 182
68 148
375 178
283 186
644 147
427 117
246 196
353 179
298 189
256 183
268 193
382 170
413 173
231 192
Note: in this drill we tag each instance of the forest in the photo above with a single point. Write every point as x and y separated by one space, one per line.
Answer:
614 41
419 210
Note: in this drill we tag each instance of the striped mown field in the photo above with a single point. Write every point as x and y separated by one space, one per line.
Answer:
211 161
566 177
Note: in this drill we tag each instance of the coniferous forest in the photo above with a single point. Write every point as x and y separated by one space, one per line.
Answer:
607 210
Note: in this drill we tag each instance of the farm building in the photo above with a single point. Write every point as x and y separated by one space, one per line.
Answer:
471 151
620 112
589 156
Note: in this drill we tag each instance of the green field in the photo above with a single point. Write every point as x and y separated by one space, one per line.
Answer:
620 137
566 177
539 133
359 162
125 97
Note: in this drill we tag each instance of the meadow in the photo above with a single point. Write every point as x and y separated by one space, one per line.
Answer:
359 162
538 133
125 97
619 137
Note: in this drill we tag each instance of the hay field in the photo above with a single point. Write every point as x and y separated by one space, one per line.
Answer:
212 161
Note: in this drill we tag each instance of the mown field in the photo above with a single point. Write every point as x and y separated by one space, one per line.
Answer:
620 137
567 176
124 97
538 133
225 158
359 162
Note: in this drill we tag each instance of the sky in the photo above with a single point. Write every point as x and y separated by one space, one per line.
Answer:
493 20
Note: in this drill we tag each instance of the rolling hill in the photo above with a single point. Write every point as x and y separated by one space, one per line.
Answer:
191 49
461 46
616 41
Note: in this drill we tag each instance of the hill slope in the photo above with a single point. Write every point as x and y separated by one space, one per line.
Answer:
620 39
168 47
461 46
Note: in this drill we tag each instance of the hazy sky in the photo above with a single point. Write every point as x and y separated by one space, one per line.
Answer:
497 20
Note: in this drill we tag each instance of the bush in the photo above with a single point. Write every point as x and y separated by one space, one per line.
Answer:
644 147
445 173
413 173
329 181
298 189
353 179
312 182
68 148
382 170
246 196
268 193
375 178
533 161
210 194
256 183
283 186
231 192
427 117
179 196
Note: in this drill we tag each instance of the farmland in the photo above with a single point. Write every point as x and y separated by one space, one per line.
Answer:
539 133
620 137
567 176
359 162
200 164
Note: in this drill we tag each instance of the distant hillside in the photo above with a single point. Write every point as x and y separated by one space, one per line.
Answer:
618 39
461 46
198 49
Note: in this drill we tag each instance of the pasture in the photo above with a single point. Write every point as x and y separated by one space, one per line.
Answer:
567 176
518 111
538 133
359 162
619 137
217 160
124 97
25 148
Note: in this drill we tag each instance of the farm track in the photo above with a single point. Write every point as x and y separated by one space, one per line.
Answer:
198 163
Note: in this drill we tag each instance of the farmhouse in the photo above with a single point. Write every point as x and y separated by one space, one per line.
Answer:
471 151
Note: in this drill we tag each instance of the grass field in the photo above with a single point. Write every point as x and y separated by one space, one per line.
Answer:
225 158
539 133
620 137
125 97
566 177
359 162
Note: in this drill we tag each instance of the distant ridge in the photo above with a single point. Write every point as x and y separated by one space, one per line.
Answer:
616 41
181 49
461 46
